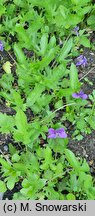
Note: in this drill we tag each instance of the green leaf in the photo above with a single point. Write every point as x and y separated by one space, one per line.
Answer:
85 180
74 1
17 100
92 122
15 157
41 103
12 149
66 49
32 185
48 159
85 167
79 137
43 44
65 92
93 93
22 133
58 104
91 20
11 182
48 174
23 36
81 124
5 164
2 10
52 42
59 169
85 10
88 182
74 83
35 94
18 2
7 67
20 167
72 159
71 196
21 121
52 79
2 187
81 2
19 54
51 193
85 41
73 19
58 145
63 10
47 59
6 123
73 182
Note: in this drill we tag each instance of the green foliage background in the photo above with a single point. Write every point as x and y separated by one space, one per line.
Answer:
39 36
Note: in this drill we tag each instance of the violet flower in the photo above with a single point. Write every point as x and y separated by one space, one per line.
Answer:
53 134
81 60
76 29
1 46
80 95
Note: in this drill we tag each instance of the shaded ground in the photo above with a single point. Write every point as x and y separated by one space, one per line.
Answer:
86 147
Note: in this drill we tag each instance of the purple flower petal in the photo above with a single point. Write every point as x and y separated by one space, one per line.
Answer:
57 133
81 92
80 95
52 133
76 29
63 135
52 136
78 63
75 95
84 96
60 130
1 46
81 60
51 130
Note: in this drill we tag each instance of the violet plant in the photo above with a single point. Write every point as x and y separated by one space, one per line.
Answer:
42 93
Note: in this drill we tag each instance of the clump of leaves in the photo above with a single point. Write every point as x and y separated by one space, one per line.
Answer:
45 176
